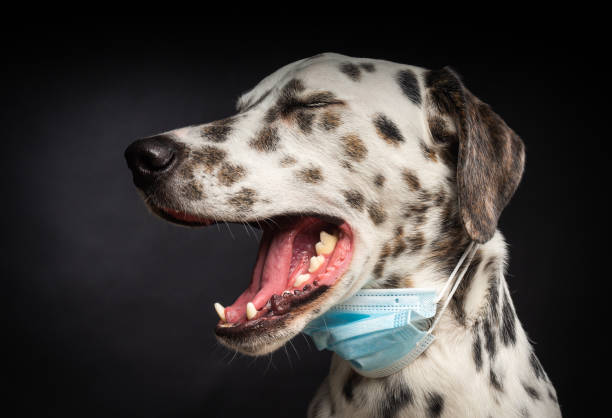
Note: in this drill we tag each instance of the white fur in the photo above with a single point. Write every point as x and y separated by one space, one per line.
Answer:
447 366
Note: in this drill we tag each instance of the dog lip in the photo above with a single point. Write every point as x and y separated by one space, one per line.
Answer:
188 219
245 330
242 330
179 218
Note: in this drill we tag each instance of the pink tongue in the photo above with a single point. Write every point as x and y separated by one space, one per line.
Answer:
276 268
270 274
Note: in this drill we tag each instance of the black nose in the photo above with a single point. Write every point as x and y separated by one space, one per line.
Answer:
149 158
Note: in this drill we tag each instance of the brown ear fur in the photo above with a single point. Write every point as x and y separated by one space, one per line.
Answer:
490 156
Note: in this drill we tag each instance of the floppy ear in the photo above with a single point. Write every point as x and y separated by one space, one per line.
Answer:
489 156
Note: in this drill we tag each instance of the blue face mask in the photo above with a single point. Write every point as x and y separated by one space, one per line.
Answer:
380 331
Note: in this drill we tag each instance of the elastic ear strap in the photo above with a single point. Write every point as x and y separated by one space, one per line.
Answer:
471 250
457 267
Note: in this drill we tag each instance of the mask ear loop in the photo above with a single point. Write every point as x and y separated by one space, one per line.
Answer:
452 275
469 253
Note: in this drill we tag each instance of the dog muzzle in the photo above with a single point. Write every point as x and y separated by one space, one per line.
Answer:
381 331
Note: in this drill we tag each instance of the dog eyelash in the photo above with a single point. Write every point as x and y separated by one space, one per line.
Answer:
317 104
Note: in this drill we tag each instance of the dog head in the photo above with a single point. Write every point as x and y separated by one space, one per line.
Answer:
360 173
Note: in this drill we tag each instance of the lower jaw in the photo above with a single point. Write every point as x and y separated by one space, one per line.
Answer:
289 301
271 321
264 335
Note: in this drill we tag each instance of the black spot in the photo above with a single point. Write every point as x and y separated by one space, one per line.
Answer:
287 102
477 348
531 391
508 327
230 173
352 380
368 66
411 179
351 70
288 161
410 210
330 120
266 140
435 404
440 198
410 85
354 199
347 165
382 259
439 132
311 175
394 281
537 366
377 213
415 241
387 130
493 288
304 120
398 396
354 148
489 335
379 180
400 247
428 152
243 200
552 396
217 131
495 382
208 156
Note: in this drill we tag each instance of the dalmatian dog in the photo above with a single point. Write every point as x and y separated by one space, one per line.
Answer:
363 173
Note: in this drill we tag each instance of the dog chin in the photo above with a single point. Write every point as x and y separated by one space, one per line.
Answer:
265 335
261 343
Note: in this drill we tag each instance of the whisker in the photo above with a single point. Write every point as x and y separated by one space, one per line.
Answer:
294 349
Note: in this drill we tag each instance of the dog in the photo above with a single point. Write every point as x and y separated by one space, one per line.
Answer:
363 173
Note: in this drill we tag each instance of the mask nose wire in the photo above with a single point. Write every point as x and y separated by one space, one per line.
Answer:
469 254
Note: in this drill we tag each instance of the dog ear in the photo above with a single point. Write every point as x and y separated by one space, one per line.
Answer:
489 156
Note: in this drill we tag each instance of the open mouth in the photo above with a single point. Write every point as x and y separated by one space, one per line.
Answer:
299 258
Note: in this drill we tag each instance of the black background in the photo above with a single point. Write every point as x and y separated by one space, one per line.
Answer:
110 309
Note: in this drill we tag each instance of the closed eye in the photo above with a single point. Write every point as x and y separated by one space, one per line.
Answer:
319 104
321 99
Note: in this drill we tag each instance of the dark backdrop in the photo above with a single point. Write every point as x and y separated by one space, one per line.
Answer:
110 309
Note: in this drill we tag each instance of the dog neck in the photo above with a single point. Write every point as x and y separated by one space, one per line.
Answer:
424 254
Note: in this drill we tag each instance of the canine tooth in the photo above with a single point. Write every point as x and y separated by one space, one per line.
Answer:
220 311
315 263
251 311
302 278
326 244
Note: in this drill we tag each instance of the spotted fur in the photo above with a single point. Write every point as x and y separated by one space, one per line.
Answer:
418 167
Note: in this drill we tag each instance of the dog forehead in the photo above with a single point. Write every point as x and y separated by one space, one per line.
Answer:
333 72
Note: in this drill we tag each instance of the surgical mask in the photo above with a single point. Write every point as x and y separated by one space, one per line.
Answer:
381 331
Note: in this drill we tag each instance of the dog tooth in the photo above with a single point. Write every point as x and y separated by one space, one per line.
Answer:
251 311
315 263
220 311
302 278
326 244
